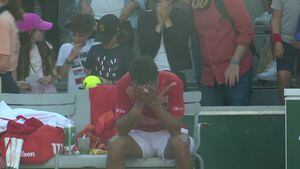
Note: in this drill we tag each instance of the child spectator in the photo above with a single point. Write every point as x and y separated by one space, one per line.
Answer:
286 49
35 71
72 56
10 12
109 60
49 10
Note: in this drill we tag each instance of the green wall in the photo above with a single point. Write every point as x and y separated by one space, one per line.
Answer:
242 142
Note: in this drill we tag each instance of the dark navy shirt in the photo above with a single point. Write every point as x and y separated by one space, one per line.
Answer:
110 64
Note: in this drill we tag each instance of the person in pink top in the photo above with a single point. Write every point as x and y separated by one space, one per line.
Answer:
224 45
149 111
10 11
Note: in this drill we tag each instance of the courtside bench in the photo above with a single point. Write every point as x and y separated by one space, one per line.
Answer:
77 107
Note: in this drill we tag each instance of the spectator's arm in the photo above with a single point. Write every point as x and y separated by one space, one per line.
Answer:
85 7
15 75
149 35
64 54
4 62
242 21
278 48
127 10
5 46
180 30
276 20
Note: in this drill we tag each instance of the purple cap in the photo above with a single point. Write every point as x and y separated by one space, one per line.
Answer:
33 21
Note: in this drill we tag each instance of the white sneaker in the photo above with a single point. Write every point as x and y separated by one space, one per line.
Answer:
263 19
270 74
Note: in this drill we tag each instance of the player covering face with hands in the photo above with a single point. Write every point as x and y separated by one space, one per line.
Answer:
149 111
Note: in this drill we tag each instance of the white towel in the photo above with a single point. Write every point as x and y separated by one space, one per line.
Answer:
48 118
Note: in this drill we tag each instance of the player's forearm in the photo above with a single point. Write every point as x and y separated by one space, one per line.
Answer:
171 123
129 121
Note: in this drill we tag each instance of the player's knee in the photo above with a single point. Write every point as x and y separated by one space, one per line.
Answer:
117 145
180 142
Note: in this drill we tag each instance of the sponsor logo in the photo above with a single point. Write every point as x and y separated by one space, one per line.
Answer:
28 154
120 111
177 108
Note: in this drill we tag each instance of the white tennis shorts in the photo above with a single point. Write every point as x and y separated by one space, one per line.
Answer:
153 144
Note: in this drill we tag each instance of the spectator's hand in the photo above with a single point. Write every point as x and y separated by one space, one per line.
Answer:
46 80
24 85
160 21
296 44
232 74
164 9
278 49
127 10
75 50
85 7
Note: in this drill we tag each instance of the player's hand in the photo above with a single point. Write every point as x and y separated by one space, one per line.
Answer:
147 94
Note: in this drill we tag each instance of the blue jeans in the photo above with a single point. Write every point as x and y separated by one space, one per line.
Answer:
9 85
222 95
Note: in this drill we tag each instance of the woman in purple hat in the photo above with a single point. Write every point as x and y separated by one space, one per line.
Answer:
35 72
10 11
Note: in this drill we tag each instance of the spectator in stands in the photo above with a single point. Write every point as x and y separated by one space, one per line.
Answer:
49 9
164 34
35 71
72 56
265 18
110 59
149 111
286 48
124 9
10 12
227 61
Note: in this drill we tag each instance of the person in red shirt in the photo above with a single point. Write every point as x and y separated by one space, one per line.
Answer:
149 111
224 45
